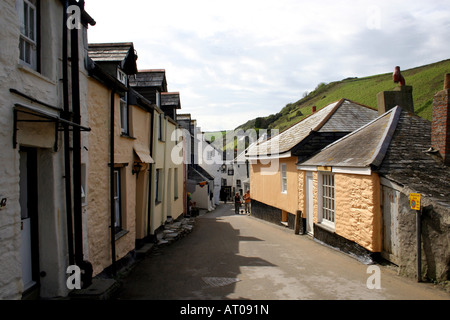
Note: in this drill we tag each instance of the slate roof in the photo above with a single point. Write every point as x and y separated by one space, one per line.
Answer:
408 163
198 174
362 148
121 52
395 145
341 116
150 78
170 99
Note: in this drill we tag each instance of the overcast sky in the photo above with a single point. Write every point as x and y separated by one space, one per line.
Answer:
233 61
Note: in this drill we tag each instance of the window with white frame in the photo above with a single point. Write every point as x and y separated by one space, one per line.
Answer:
283 178
28 46
124 116
122 76
161 127
158 186
117 201
158 99
326 205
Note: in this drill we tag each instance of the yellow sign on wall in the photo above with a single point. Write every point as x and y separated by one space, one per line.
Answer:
414 200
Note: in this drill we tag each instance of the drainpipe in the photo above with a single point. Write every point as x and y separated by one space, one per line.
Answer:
111 170
76 147
85 266
66 115
150 174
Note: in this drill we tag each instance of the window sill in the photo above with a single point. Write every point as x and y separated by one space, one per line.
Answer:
326 226
120 234
33 72
124 135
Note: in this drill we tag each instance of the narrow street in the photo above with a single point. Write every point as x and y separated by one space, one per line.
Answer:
230 256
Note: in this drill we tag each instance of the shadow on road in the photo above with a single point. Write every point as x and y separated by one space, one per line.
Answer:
204 265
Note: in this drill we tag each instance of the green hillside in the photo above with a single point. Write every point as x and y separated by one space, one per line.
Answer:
426 81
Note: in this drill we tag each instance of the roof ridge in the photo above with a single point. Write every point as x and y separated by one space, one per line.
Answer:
397 111
328 116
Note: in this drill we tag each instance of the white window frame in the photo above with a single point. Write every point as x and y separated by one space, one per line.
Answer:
327 199
28 15
124 115
122 76
158 99
283 176
161 127
159 179
118 200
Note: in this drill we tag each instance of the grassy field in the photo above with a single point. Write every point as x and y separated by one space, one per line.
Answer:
425 80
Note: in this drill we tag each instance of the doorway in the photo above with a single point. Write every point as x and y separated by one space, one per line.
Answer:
29 249
309 204
390 199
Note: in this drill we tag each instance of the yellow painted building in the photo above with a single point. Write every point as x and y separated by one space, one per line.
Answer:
341 192
277 188
114 152
168 171
276 193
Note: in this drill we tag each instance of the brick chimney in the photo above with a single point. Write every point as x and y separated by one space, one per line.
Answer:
314 109
440 134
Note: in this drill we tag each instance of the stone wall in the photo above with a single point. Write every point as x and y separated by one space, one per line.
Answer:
271 214
435 239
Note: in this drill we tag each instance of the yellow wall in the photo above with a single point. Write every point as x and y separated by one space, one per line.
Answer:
267 188
169 206
98 180
140 127
358 212
357 207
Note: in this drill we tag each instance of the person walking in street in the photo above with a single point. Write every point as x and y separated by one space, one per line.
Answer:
237 203
247 201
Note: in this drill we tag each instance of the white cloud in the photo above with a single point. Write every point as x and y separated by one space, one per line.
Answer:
235 60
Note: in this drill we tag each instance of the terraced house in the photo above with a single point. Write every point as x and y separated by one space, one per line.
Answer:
89 174
167 189
43 129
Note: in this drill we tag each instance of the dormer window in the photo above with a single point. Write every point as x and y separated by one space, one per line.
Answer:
122 76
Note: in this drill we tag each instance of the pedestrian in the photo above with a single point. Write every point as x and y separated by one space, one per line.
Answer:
237 203
247 200
188 204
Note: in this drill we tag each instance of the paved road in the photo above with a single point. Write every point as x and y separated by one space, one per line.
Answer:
230 256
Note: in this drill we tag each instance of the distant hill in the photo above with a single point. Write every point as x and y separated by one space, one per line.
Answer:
426 81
